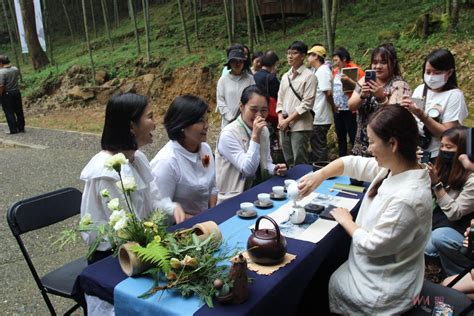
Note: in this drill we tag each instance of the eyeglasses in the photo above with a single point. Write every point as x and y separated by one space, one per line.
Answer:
293 52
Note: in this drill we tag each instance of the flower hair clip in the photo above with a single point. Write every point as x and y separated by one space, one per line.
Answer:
205 160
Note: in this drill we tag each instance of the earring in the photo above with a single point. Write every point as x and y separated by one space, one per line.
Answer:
182 130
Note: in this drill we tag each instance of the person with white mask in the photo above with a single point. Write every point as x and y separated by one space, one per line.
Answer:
438 103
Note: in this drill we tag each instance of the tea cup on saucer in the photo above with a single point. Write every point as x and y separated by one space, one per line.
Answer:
264 198
278 190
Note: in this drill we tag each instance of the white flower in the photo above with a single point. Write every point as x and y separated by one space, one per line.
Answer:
115 162
105 193
86 220
129 184
122 223
116 216
114 204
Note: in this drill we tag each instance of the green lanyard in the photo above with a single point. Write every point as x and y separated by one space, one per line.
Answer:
244 127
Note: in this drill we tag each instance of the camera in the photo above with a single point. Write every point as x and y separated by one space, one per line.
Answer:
470 144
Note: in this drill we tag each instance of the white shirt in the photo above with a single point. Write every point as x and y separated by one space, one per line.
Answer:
385 268
322 109
97 178
246 162
229 91
182 176
454 109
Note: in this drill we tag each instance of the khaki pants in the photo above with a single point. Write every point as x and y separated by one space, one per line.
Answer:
295 147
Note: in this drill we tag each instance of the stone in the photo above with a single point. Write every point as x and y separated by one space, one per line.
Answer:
101 77
128 88
79 93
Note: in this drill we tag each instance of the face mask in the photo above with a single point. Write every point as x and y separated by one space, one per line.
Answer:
435 81
446 157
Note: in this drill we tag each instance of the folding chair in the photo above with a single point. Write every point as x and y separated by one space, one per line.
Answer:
38 212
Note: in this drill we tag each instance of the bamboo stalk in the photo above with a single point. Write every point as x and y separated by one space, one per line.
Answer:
15 22
147 31
229 34
254 20
11 38
106 23
93 18
116 14
257 9
249 24
132 15
67 19
195 18
188 49
87 40
48 31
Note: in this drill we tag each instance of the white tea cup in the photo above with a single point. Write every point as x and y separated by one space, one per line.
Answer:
278 190
264 198
246 207
288 182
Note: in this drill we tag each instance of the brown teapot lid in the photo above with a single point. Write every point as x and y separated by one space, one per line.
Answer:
266 234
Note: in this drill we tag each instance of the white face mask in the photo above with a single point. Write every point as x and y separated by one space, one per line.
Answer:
435 81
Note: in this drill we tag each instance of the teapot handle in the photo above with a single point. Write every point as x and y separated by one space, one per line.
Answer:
272 221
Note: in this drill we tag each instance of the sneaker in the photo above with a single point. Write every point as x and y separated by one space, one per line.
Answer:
11 133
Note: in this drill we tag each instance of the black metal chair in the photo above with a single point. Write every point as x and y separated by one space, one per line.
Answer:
38 212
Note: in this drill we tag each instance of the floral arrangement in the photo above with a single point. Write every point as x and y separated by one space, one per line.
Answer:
179 260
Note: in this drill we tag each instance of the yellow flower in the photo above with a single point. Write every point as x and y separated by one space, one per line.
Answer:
115 162
149 224
157 238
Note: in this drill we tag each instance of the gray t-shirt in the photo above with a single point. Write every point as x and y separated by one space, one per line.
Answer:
9 78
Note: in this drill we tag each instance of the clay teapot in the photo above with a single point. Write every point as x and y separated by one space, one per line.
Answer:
266 246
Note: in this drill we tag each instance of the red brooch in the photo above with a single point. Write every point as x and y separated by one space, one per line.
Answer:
205 160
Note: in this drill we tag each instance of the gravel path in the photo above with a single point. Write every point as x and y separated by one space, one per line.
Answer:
32 163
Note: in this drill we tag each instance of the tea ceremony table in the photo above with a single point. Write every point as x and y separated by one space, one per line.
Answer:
277 294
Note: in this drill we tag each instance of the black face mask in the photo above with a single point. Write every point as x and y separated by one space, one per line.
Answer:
447 157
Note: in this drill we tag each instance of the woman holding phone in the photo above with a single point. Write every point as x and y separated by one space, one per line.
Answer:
243 149
444 105
453 190
388 87
385 269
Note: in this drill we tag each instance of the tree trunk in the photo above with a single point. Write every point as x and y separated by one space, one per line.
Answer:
135 29
196 28
93 18
106 23
254 21
327 22
448 7
454 15
84 14
68 20
227 22
48 30
37 55
333 23
12 44
188 48
147 31
283 17
249 23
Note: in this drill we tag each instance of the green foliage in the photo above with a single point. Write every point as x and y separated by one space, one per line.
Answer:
154 253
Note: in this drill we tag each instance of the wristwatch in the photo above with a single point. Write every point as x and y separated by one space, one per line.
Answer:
438 186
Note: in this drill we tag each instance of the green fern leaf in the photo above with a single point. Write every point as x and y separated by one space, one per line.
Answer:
154 253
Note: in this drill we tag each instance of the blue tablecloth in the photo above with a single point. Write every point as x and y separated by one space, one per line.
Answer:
279 293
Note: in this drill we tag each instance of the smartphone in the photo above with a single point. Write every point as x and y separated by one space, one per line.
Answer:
420 103
470 144
370 75
426 156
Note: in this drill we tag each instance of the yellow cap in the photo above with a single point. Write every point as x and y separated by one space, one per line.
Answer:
318 50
